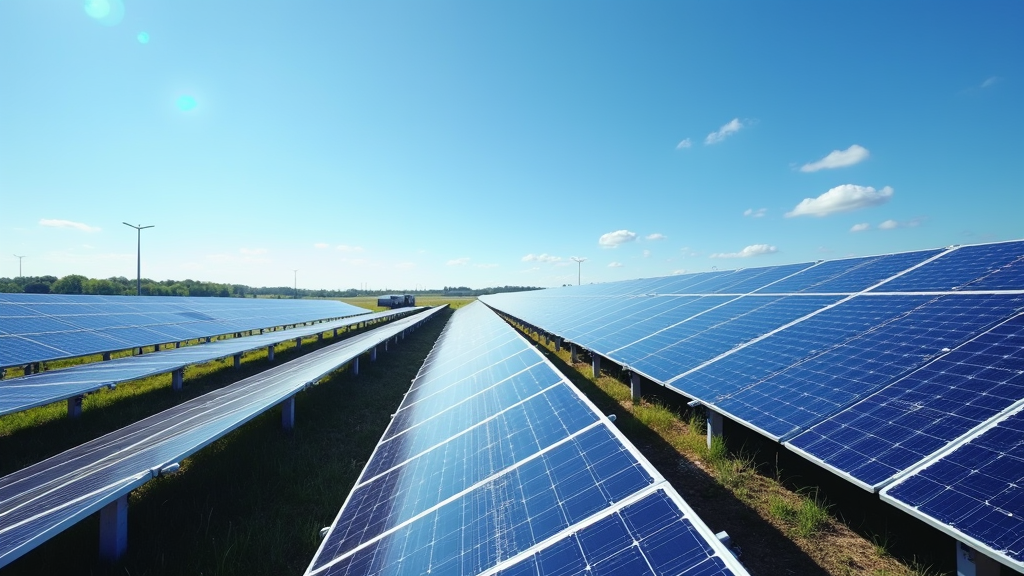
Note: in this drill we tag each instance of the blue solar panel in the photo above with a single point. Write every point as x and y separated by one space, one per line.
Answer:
975 492
981 267
649 537
904 423
834 377
22 393
850 275
43 327
490 461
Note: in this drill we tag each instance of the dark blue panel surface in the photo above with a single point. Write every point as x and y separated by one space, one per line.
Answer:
850 275
837 376
977 489
902 424
981 267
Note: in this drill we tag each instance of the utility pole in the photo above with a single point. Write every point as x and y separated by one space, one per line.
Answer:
295 295
579 268
138 268
19 264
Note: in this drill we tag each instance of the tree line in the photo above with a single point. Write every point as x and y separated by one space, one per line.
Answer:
121 286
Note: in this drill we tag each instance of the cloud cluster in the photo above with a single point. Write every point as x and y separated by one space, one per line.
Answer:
655 236
752 213
68 224
615 265
842 198
732 127
889 225
614 239
838 159
458 262
860 227
752 250
684 144
548 258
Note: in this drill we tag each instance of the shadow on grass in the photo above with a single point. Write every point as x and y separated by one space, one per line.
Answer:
255 501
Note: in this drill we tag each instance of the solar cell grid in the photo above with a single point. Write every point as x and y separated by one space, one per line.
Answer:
980 267
976 490
902 424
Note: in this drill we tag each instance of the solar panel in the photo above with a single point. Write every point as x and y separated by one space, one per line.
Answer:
42 500
975 490
981 267
494 463
17 394
902 424
44 327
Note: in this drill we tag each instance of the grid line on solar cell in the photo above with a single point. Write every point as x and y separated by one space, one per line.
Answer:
974 489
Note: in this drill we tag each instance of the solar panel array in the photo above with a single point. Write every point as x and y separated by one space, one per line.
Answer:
42 500
44 327
495 464
17 394
865 365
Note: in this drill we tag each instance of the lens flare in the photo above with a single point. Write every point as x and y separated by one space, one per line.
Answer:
186 103
143 38
106 12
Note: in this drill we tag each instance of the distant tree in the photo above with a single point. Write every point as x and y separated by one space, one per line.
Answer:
37 288
71 284
6 286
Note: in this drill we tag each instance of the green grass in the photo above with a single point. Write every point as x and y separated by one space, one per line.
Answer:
254 501
812 515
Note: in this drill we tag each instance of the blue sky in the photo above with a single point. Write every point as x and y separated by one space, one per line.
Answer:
421 144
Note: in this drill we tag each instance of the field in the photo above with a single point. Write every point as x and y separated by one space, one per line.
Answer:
254 502
370 302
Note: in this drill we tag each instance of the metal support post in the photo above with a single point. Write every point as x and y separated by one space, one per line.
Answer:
288 414
177 379
596 362
373 354
106 355
177 344
319 336
403 336
355 366
114 529
75 407
298 342
558 344
970 562
714 425
238 360
335 333
270 352
572 353
634 386
386 344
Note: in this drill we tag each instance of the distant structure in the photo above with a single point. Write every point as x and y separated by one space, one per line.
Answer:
396 300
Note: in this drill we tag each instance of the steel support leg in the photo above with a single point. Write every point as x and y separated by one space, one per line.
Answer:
634 386
114 529
373 354
288 414
238 360
270 352
298 342
714 425
106 355
74 407
558 344
177 379
970 562
596 362
355 366
572 353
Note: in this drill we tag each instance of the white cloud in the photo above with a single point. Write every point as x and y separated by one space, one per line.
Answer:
253 251
841 199
321 245
647 253
752 250
68 224
684 144
458 262
613 239
347 248
732 127
838 159
752 213
889 225
860 227
655 236
541 258
893 224
990 81
615 265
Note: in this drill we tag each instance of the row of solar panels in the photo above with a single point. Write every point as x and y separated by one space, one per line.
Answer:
17 394
45 327
42 500
868 366
495 464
